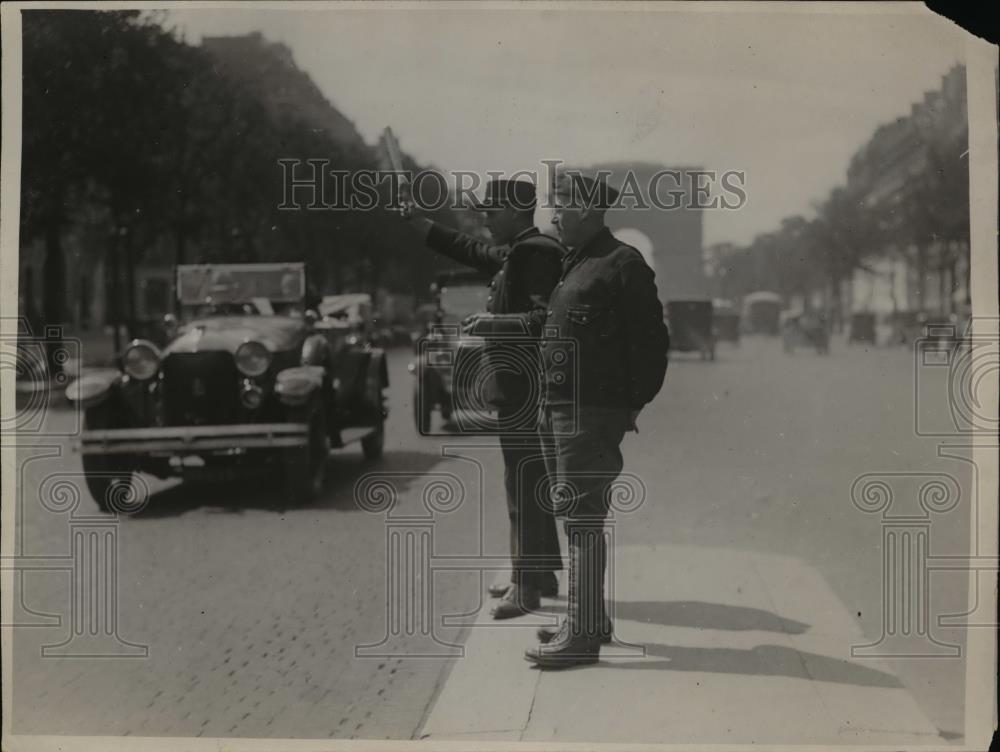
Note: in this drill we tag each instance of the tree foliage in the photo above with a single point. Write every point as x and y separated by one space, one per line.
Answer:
860 222
130 130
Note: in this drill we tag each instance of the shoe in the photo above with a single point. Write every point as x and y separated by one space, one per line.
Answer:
545 634
517 602
565 651
498 589
548 588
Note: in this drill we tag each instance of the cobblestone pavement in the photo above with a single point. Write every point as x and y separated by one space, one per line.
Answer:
251 615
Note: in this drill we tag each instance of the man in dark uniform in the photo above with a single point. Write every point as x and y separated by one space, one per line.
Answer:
525 265
605 300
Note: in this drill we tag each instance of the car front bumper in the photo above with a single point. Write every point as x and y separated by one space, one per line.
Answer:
183 440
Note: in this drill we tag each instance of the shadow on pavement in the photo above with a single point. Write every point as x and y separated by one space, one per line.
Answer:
264 490
706 616
762 660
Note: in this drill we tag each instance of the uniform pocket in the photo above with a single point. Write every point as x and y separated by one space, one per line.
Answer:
585 314
594 321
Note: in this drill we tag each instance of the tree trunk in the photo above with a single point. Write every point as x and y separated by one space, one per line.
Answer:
54 274
180 249
113 308
130 281
921 274
179 258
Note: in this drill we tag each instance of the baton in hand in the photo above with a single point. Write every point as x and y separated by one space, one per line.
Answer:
396 161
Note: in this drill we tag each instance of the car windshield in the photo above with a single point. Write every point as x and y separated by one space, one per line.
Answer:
252 308
459 301
229 284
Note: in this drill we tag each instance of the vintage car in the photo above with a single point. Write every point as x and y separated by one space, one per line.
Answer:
863 327
805 328
443 351
762 312
726 321
905 327
691 327
250 376
351 312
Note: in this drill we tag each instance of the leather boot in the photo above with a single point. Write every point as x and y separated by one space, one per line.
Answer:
545 634
578 640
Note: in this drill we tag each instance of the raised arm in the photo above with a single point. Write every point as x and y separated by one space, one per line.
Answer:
459 246
464 248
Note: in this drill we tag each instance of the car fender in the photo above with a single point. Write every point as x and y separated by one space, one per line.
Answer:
378 369
94 387
351 374
315 350
295 386
376 374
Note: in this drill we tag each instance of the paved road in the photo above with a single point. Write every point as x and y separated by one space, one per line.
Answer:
251 614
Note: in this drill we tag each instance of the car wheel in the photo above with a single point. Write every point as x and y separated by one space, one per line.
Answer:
112 483
305 467
111 479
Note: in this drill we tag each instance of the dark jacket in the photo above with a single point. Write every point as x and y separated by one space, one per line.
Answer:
523 277
605 306
523 274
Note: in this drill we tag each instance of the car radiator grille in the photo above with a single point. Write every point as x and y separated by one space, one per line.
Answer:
200 389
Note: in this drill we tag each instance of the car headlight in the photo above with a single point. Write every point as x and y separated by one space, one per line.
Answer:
252 358
251 395
141 360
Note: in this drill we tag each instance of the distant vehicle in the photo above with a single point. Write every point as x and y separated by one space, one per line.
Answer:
726 320
906 327
862 327
691 327
761 312
351 313
250 376
801 328
457 295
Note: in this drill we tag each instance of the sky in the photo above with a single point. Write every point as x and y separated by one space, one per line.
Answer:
783 94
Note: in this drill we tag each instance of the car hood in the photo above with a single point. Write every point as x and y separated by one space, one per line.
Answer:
278 333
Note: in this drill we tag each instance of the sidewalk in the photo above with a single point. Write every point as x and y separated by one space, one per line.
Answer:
729 647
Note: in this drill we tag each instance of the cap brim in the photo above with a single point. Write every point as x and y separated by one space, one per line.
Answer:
482 206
